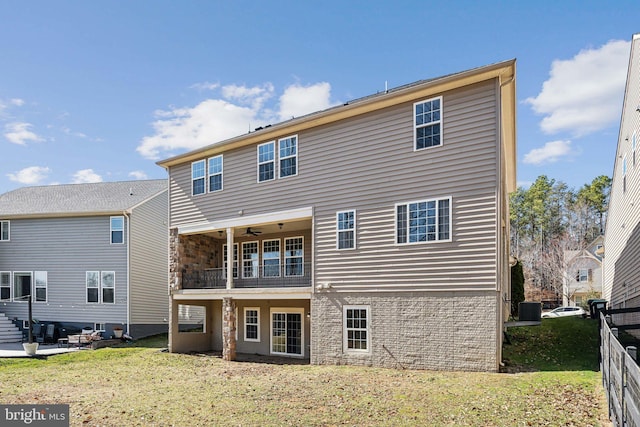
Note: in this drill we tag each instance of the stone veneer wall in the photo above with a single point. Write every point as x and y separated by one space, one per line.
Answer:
191 253
439 331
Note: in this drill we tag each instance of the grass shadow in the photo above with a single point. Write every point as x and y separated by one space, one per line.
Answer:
562 344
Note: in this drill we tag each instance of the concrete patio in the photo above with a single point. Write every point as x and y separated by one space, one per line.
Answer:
15 350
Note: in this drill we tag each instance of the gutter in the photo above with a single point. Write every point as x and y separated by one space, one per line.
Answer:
126 215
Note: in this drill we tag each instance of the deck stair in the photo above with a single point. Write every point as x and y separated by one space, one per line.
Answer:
8 331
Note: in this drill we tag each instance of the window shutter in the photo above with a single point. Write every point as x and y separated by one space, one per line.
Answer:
590 275
578 276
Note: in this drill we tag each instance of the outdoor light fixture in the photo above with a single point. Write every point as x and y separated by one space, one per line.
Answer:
280 225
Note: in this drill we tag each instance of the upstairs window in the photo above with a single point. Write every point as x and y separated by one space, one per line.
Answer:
288 156
346 230
215 173
624 174
267 161
271 258
4 231
226 260
197 177
117 229
250 260
294 256
584 275
423 221
428 123
633 148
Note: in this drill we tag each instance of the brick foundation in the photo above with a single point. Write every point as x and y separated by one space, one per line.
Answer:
439 331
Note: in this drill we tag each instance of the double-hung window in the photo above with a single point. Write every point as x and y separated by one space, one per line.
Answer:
346 230
5 286
356 329
215 173
583 275
226 260
108 283
288 156
423 221
101 286
4 231
267 161
92 279
40 286
117 229
294 256
271 258
252 324
198 184
250 259
428 123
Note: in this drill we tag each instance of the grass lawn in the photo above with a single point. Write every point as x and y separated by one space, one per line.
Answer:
554 384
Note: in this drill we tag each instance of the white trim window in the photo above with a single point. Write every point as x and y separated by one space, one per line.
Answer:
198 183
624 174
633 148
225 260
40 286
250 260
92 281
356 329
583 275
5 286
116 224
287 331
267 161
108 285
271 258
288 152
215 166
346 229
423 221
427 123
21 285
5 227
294 256
252 324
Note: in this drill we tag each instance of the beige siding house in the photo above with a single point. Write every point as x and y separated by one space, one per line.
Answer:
583 274
622 237
374 233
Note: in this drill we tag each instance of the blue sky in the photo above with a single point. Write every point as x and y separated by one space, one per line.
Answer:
99 91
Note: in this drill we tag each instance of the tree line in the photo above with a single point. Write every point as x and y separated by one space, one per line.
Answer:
549 218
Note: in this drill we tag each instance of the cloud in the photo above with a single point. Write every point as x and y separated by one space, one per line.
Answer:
299 100
85 176
584 94
17 102
205 86
550 153
29 176
240 109
20 133
138 175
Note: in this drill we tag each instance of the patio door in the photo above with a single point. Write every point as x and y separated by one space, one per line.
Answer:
287 331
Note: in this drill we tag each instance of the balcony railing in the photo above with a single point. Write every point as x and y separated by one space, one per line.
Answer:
253 276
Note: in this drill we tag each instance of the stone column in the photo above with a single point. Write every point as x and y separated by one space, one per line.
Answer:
175 260
228 329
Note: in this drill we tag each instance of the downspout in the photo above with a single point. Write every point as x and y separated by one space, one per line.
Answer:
128 271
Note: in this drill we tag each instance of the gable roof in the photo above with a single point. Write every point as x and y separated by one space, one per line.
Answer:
503 71
78 199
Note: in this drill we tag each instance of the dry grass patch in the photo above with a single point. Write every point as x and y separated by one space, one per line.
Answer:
146 387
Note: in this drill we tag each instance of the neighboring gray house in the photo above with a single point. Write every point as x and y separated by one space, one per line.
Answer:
373 233
90 254
583 274
622 238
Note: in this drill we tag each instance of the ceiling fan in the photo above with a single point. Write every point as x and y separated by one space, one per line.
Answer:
251 232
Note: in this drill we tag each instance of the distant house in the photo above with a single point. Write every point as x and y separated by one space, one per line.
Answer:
91 255
373 233
622 238
583 275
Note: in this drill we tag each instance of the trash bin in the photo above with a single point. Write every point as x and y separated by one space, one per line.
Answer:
596 306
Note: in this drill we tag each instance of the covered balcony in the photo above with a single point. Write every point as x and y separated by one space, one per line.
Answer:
265 254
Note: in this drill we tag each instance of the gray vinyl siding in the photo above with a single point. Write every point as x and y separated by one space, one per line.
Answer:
368 163
66 248
149 262
621 281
